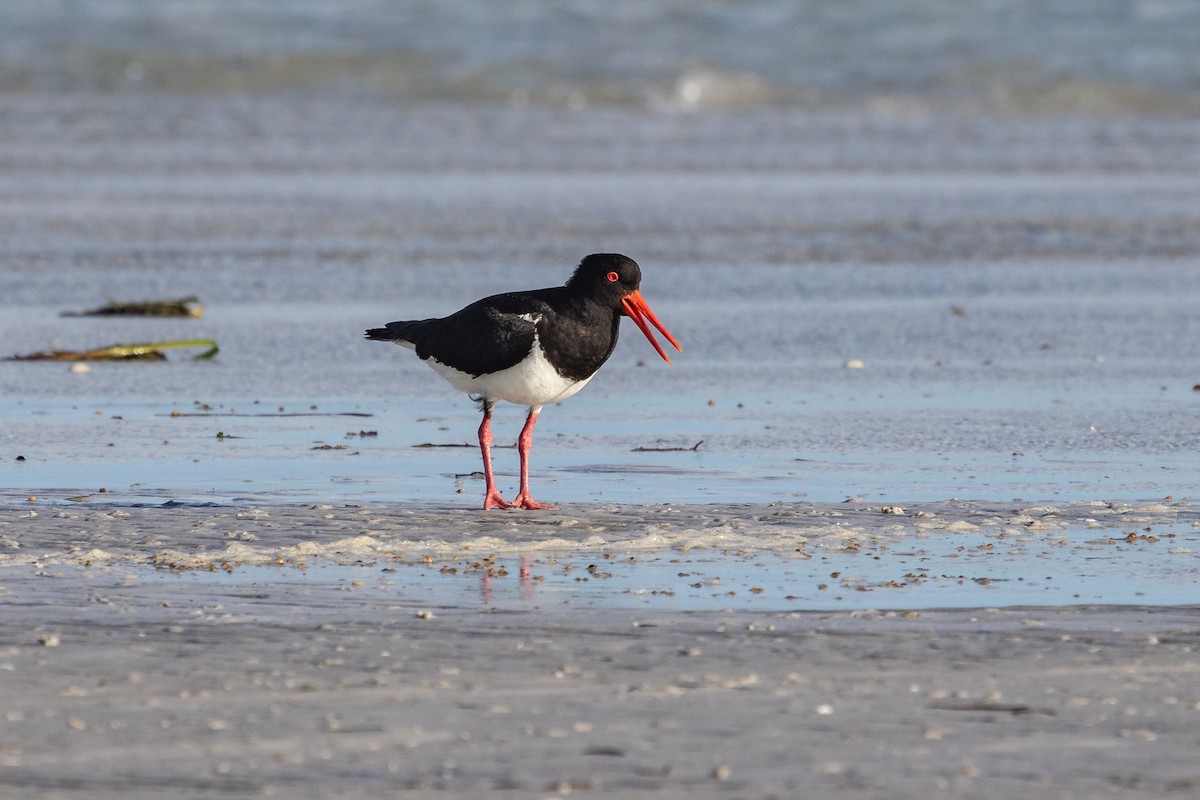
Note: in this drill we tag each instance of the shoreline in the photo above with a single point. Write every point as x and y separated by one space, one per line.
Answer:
854 555
282 533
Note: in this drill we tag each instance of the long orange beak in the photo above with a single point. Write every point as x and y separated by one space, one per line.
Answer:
640 313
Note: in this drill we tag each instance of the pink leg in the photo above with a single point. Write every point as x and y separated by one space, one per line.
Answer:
524 445
492 498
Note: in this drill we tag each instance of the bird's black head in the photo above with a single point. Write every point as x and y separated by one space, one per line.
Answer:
614 280
608 277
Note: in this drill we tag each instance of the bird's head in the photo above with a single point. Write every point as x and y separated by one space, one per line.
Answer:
616 279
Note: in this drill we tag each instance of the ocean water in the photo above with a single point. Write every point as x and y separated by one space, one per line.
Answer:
1081 55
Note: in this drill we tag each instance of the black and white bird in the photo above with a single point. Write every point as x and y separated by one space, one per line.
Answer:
531 348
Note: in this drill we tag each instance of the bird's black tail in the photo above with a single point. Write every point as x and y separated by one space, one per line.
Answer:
401 331
380 335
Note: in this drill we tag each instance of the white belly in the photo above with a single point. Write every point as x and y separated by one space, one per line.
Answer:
531 382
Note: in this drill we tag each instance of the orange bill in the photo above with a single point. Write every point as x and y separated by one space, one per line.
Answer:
640 313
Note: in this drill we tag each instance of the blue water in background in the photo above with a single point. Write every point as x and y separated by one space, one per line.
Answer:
1006 54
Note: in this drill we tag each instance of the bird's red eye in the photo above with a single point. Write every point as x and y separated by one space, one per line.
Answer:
613 277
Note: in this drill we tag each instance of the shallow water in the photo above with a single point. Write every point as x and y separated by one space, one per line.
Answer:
1075 567
770 557
1083 391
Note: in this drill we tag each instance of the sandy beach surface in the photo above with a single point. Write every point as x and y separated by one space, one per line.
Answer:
119 689
960 649
914 514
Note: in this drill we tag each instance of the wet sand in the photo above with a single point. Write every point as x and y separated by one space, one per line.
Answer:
120 689
243 696
302 651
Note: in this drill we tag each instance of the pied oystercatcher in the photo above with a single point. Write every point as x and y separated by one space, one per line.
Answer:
531 348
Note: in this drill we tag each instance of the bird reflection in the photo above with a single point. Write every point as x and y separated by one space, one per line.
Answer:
524 582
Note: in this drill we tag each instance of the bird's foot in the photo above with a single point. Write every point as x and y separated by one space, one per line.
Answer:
523 500
493 500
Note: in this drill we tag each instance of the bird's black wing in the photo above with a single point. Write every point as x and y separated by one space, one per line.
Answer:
487 336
